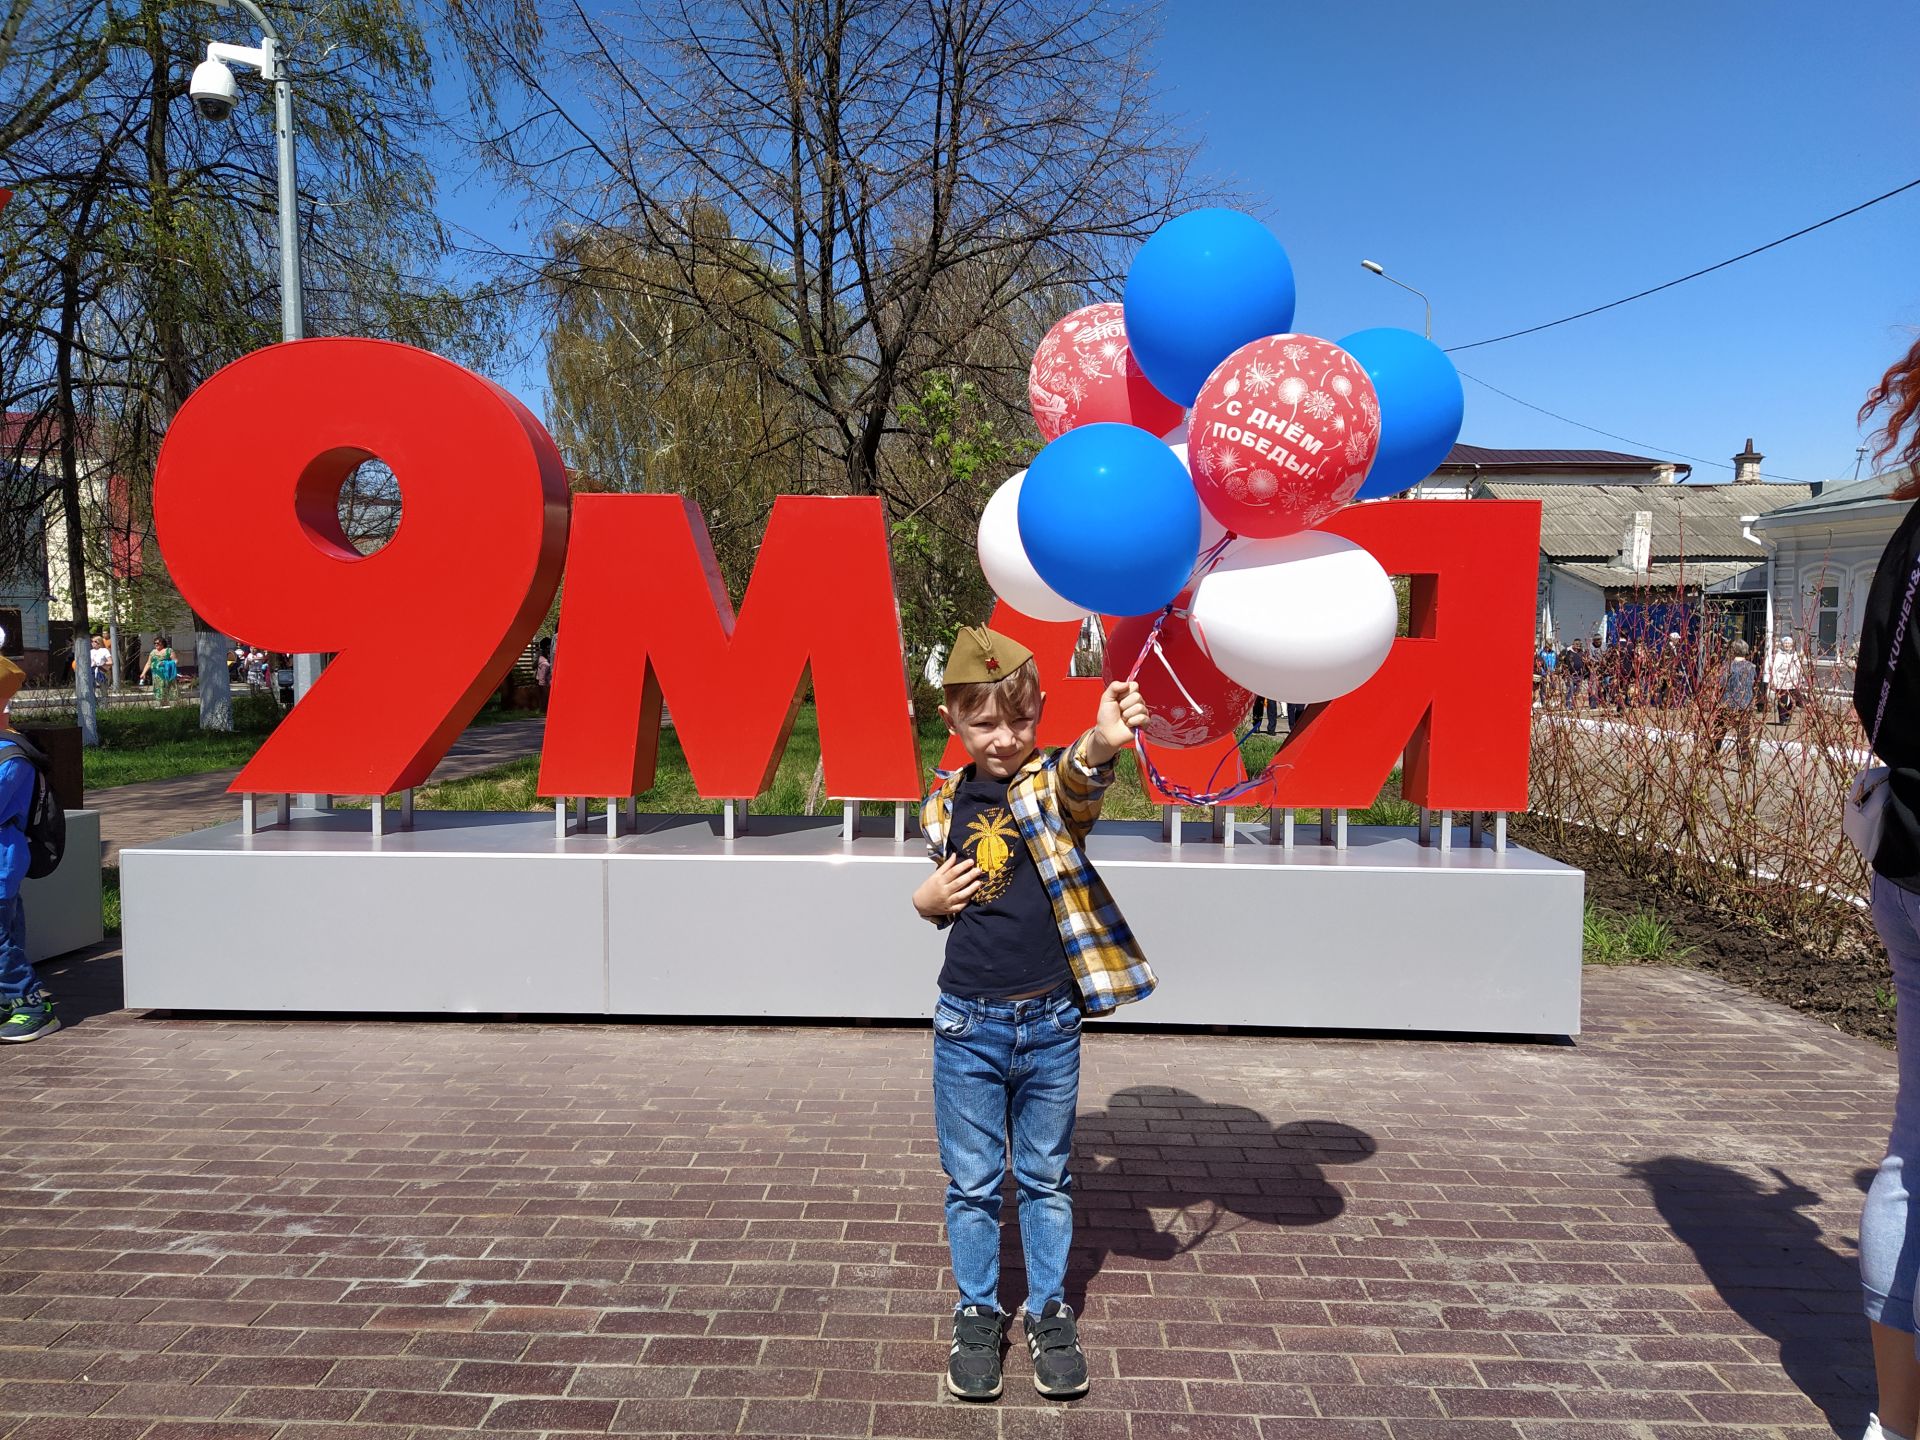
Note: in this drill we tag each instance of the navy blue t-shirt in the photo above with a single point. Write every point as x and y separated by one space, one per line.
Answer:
1006 942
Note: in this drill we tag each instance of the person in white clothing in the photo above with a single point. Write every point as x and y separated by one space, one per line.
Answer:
1785 676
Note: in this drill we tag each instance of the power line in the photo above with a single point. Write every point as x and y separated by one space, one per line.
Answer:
1624 439
1641 295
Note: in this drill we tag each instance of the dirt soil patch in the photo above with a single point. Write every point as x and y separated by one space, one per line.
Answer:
1845 981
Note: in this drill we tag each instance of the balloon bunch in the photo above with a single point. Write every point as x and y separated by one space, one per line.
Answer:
1193 442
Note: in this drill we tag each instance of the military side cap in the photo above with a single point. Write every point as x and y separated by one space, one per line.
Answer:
981 655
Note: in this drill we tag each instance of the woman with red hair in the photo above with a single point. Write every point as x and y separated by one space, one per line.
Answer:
1886 693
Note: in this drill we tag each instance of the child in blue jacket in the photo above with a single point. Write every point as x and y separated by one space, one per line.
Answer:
27 1007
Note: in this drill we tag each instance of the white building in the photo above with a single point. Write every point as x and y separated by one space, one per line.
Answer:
1822 552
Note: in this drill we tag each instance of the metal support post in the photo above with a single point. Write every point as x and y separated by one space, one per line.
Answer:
1476 830
899 822
1446 832
733 818
1326 826
613 817
1340 829
560 818
1170 824
406 808
1500 832
849 819
1426 826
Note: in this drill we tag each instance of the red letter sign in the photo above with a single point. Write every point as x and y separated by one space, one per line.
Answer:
245 503
646 613
1457 697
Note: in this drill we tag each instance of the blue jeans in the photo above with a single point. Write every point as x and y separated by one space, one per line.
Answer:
17 980
1889 1226
1000 1064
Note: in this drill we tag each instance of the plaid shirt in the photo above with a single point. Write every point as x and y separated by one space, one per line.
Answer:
1055 802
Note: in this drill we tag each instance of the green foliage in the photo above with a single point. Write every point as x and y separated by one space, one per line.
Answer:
1640 938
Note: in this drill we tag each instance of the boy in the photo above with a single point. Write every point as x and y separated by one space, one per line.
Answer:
26 1010
1034 941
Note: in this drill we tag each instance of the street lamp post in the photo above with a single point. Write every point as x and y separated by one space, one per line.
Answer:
1377 268
213 90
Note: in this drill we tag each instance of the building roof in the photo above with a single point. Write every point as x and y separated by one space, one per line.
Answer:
1490 459
1837 500
1663 575
1691 522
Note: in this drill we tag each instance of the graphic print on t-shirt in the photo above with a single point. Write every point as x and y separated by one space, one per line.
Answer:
987 840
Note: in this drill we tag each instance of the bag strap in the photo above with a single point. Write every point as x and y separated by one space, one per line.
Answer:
1893 656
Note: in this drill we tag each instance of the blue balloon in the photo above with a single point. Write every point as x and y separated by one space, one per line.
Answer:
1110 519
1421 406
1203 285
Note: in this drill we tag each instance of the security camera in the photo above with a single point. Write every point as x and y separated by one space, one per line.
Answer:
213 90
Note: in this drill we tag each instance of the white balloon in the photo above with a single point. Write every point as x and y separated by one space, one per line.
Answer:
1303 618
1003 560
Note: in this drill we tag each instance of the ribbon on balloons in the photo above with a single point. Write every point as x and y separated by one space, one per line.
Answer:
1201 675
1189 700
1085 372
1282 434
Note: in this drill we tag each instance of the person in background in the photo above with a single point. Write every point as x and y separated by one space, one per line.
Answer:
162 668
543 670
1886 695
101 659
1736 702
1268 708
1785 676
256 669
1573 670
1544 663
26 1009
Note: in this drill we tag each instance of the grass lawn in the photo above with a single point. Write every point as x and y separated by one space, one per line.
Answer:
147 743
513 786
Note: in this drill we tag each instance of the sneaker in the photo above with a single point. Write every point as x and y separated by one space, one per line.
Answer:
973 1364
30 1019
1059 1369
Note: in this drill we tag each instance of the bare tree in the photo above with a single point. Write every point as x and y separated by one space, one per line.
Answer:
898 177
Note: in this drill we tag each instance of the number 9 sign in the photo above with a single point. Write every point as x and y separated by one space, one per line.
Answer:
246 497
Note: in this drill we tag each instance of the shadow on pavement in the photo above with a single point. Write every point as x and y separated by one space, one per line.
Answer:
1773 1269
1159 1148
85 983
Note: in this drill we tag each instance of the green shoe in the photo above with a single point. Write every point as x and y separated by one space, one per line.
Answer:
31 1018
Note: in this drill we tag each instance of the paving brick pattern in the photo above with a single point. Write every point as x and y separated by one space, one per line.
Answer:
316 1230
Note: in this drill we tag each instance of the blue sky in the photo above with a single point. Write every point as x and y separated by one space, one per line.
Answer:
1520 161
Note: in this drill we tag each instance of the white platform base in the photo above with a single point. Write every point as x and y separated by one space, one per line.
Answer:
492 913
63 909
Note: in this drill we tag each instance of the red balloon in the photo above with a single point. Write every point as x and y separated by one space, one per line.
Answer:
1191 701
1084 371
1282 434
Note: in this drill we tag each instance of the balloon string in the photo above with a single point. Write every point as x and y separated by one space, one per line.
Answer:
1179 794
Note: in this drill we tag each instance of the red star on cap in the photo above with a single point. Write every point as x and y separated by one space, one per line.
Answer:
992 664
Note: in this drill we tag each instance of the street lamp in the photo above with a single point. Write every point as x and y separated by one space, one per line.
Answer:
214 91
1377 268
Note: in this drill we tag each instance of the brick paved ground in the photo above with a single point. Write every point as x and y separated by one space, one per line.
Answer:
310 1230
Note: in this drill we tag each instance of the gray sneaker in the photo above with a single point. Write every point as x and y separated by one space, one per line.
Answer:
973 1364
1053 1340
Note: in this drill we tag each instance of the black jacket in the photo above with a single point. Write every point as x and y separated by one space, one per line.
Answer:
1898 858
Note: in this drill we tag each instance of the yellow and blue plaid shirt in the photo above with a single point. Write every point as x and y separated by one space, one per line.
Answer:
1055 801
